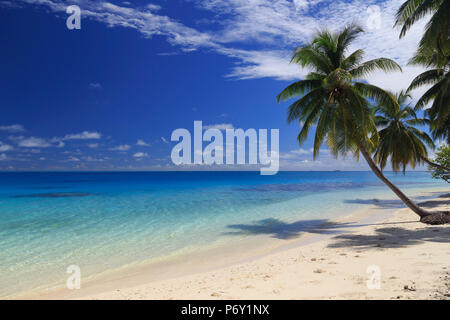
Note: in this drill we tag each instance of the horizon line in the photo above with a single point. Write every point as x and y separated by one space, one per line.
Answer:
165 171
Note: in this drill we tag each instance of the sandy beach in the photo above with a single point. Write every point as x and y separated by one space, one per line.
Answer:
335 262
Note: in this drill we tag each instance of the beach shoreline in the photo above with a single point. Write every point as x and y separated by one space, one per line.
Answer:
327 271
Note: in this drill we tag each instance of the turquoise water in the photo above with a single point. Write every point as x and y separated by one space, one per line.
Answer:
101 221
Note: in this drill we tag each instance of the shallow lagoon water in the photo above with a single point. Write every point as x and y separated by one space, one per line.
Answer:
101 221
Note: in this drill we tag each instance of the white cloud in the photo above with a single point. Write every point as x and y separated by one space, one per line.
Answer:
164 140
261 64
140 155
93 145
85 135
273 28
14 128
296 154
92 159
123 147
142 143
153 7
33 142
302 159
95 85
5 147
220 126
58 142
3 157
303 151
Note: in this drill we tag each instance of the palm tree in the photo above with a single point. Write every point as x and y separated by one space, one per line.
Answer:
337 104
433 51
437 30
400 141
438 94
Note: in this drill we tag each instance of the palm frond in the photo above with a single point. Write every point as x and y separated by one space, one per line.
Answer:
426 78
310 57
298 88
366 68
373 92
302 107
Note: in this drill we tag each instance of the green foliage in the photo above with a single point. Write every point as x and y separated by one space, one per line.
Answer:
400 141
437 30
433 52
443 159
438 95
331 97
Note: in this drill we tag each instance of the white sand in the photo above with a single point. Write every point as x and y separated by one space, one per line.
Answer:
413 258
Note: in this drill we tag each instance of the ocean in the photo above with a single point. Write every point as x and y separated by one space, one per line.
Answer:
107 220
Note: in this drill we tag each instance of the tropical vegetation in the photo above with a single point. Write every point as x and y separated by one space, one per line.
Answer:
351 115
443 159
433 53
400 140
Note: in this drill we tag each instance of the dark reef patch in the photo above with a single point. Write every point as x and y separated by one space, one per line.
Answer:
55 195
313 187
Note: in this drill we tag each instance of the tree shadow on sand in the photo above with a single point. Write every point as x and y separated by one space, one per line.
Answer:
275 228
397 204
284 230
386 237
392 238
382 204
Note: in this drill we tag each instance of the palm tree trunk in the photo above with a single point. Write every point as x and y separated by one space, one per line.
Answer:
427 161
409 203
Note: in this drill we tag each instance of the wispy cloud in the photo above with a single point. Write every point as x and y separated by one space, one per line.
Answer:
85 135
273 28
5 147
140 155
14 128
93 145
95 85
295 154
302 159
164 140
58 142
93 159
142 143
220 126
34 142
123 147
73 159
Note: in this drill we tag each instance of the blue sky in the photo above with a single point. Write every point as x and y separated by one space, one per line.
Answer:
108 96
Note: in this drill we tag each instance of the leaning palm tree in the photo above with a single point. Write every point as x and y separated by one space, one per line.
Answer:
437 30
333 100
